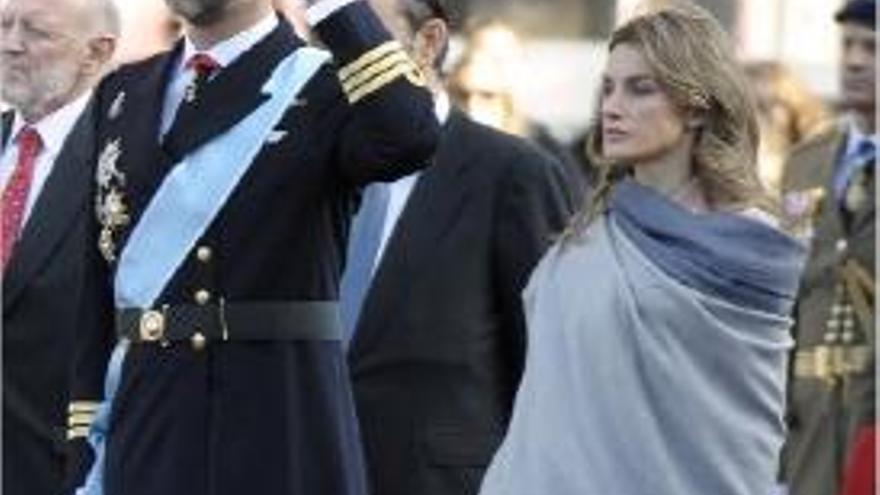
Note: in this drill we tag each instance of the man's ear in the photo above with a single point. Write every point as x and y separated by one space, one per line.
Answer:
430 43
101 50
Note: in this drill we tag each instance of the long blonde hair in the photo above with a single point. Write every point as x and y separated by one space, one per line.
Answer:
692 59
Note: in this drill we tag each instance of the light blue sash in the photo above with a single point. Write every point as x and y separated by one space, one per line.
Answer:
198 186
94 483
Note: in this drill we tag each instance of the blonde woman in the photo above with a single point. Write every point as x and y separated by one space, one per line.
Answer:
658 327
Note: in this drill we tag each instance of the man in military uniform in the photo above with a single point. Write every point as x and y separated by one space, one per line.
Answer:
227 172
829 187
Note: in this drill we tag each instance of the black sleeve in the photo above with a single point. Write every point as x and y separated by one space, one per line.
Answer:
95 338
534 208
392 130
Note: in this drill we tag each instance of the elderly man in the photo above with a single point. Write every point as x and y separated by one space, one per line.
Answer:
228 168
830 184
52 52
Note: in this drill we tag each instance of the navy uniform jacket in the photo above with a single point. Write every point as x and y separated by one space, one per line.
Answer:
439 346
255 416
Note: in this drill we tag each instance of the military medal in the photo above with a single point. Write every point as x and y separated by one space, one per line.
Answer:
276 136
107 172
856 194
116 107
111 209
190 94
801 209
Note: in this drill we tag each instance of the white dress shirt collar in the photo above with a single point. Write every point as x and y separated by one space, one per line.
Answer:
53 128
323 9
226 51
854 136
442 106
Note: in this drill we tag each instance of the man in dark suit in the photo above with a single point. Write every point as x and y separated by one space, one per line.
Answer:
226 176
431 297
830 187
52 53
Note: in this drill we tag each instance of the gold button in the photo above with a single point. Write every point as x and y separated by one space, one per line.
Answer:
202 297
198 341
204 254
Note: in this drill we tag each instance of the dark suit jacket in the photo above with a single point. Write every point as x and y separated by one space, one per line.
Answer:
438 349
253 416
42 346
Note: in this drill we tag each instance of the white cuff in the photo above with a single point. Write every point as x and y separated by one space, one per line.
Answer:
322 10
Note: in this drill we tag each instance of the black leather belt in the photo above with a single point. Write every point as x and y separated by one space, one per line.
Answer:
245 321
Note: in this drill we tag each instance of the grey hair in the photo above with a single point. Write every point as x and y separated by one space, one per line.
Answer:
104 16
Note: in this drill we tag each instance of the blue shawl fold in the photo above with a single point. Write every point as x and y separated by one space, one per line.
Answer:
726 255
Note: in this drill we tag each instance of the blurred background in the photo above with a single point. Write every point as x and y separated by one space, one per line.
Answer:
552 65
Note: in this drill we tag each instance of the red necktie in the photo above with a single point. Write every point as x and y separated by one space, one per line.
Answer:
15 195
204 66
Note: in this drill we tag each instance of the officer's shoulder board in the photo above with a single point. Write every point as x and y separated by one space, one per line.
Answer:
810 161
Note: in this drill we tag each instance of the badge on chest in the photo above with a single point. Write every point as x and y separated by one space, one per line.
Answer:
110 207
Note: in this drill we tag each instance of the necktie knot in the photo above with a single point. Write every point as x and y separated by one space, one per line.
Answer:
866 149
202 64
29 142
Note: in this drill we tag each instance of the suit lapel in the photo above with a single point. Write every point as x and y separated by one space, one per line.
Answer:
430 210
5 128
233 94
813 171
864 217
61 200
143 162
829 164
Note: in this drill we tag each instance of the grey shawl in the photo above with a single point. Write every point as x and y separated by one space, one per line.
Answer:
657 357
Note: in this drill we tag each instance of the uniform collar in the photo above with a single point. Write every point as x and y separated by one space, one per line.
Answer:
854 137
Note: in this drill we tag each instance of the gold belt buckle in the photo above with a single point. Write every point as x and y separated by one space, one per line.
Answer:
152 326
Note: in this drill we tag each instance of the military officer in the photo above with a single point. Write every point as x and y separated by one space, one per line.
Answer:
829 187
226 175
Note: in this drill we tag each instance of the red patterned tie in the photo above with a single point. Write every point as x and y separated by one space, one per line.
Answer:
204 66
15 195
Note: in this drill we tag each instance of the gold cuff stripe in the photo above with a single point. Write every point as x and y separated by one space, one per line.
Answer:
78 432
82 407
368 58
379 82
79 419
352 83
